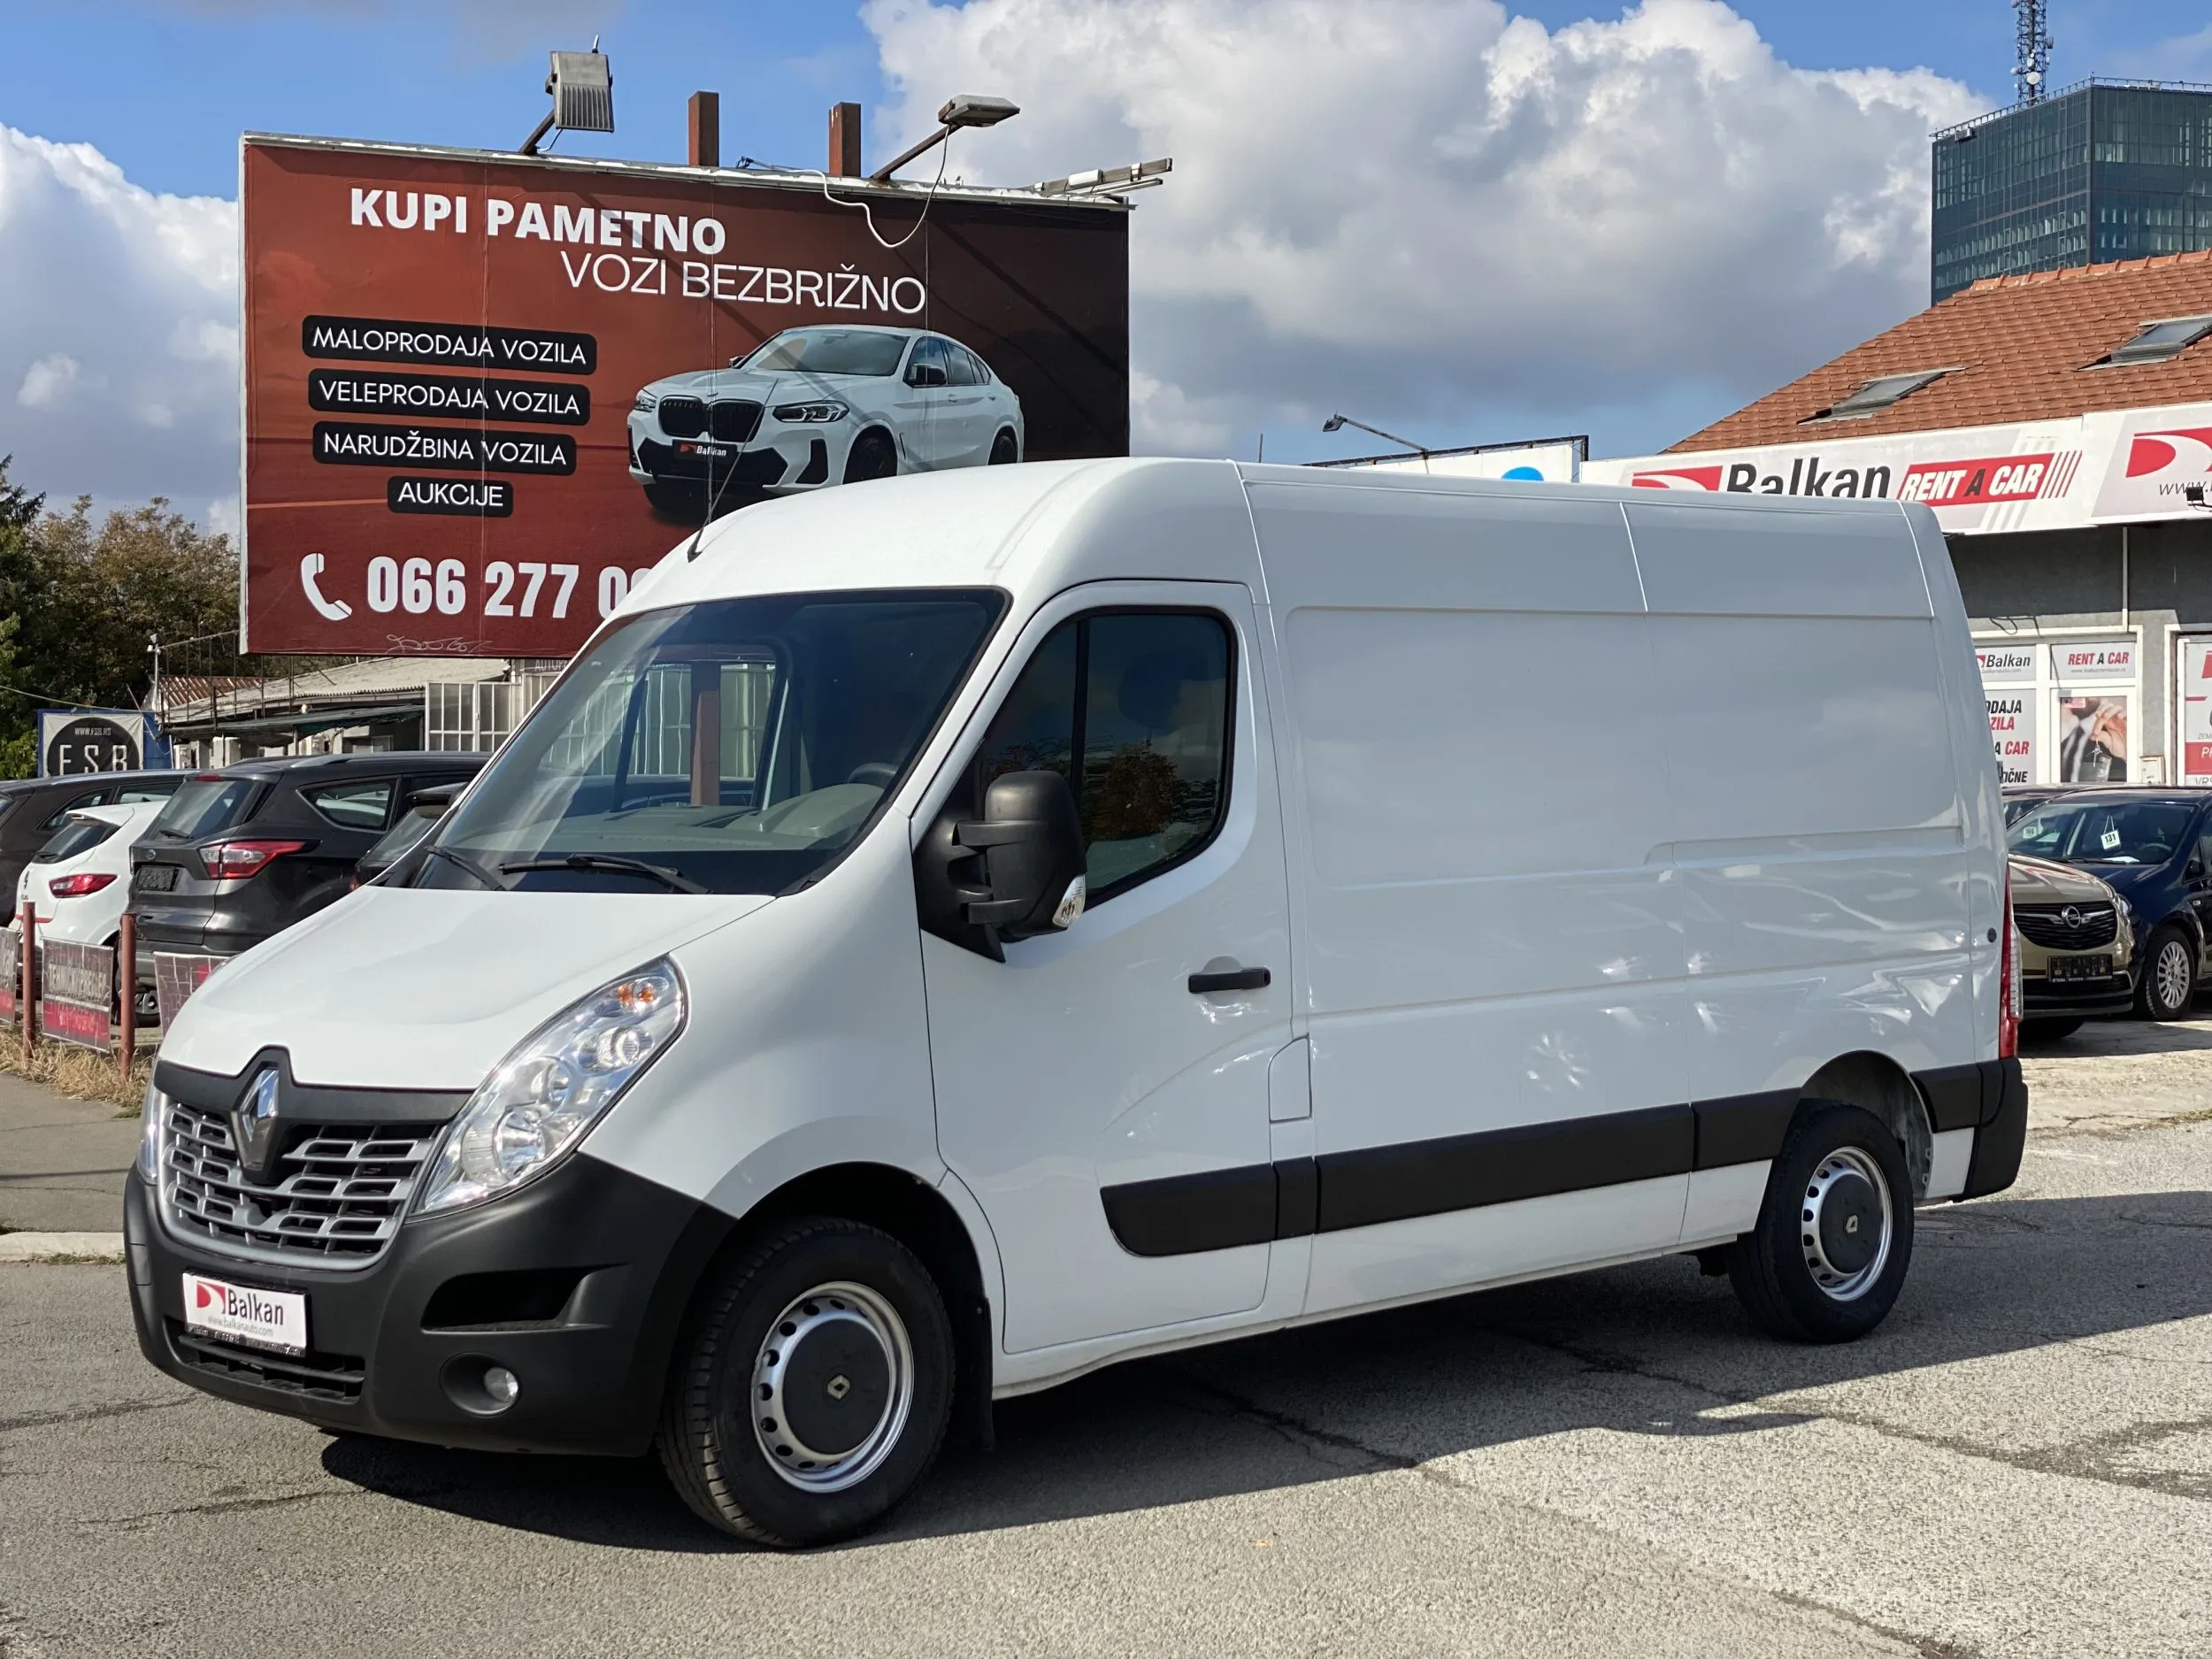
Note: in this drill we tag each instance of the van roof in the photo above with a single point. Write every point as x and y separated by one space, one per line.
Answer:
1047 524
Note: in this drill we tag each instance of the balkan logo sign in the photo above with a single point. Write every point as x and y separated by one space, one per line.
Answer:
1945 480
484 393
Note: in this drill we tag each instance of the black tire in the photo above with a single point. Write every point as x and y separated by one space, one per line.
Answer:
873 454
717 1459
2168 983
1004 450
2049 1029
1821 1196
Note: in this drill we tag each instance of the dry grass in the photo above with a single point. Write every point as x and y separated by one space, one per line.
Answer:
76 1073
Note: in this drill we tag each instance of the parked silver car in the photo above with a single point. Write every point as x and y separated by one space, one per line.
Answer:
831 404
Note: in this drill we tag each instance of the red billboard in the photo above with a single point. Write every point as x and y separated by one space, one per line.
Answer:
484 391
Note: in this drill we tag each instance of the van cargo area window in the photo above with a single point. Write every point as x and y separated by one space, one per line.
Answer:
1143 697
732 746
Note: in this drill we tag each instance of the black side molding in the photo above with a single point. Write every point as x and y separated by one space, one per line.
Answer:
1218 1209
1955 1093
1373 1185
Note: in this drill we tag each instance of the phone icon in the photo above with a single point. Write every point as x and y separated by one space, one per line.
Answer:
331 610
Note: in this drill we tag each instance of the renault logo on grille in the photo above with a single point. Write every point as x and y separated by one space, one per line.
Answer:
2070 916
253 1124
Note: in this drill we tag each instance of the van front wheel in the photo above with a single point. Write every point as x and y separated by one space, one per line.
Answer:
813 1388
1834 1237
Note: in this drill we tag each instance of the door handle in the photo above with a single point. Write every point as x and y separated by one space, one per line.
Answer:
1235 979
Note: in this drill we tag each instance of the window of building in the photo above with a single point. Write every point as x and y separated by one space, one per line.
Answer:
1881 393
2157 343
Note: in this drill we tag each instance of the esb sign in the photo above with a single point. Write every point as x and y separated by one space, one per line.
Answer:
484 392
73 741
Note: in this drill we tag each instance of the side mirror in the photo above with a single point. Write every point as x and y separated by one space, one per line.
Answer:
1032 843
1015 873
925 374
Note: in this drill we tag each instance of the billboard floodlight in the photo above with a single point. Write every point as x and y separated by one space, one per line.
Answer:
965 109
582 87
1111 181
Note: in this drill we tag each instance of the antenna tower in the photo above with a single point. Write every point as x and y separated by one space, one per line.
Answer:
2033 49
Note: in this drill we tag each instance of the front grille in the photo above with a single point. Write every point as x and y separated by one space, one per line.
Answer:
736 422
683 416
339 1193
2046 925
335 1377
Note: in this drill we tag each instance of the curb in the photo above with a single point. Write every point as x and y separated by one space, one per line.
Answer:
60 1246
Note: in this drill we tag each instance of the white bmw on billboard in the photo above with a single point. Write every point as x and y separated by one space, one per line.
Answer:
830 404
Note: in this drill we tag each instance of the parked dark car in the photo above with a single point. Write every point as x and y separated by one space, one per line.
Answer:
422 812
33 809
2022 798
241 854
2153 847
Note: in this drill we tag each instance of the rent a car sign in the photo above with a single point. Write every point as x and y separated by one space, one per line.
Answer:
2104 467
447 353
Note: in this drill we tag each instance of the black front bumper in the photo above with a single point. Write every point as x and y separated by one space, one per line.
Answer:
2077 999
577 1284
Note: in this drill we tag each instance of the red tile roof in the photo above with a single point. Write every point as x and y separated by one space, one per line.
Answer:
2019 344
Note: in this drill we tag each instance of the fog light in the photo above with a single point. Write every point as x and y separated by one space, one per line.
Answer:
501 1385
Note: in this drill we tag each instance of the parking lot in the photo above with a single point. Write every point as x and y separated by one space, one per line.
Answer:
2017 1464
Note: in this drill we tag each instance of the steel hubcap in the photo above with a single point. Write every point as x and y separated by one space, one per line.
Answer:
2173 974
1845 1224
833 1387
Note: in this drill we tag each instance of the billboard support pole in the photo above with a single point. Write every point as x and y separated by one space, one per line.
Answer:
705 122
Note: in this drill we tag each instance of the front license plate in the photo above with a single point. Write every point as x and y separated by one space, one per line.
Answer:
712 451
260 1318
2081 967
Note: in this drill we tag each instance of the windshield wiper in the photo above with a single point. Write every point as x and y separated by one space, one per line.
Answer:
661 873
469 865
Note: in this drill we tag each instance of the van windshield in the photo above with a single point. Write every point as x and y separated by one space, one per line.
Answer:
732 746
2092 832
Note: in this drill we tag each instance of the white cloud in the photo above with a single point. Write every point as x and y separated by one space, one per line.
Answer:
118 328
48 380
1424 210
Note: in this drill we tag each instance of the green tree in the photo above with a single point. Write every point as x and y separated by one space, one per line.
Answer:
79 600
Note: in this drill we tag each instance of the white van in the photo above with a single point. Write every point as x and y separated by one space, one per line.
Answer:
955 933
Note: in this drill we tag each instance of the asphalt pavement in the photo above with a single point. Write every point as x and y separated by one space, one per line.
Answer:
2019 1462
62 1162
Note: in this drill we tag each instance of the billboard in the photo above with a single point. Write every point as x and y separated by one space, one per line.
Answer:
71 740
483 392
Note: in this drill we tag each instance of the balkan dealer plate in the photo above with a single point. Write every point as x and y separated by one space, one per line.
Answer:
260 1318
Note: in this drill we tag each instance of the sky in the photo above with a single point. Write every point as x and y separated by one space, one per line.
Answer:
1458 220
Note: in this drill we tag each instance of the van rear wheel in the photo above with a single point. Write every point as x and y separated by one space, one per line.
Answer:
1835 1236
813 1386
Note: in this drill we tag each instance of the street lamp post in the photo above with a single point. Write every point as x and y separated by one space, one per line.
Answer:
1337 423
965 109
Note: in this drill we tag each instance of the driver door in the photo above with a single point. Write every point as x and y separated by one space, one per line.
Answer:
1111 1119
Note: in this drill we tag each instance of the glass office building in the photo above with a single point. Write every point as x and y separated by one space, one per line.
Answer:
2101 171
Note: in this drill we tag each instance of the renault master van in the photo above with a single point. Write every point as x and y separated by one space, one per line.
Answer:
948 934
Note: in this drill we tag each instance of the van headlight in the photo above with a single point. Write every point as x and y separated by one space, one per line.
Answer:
533 1109
153 1117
